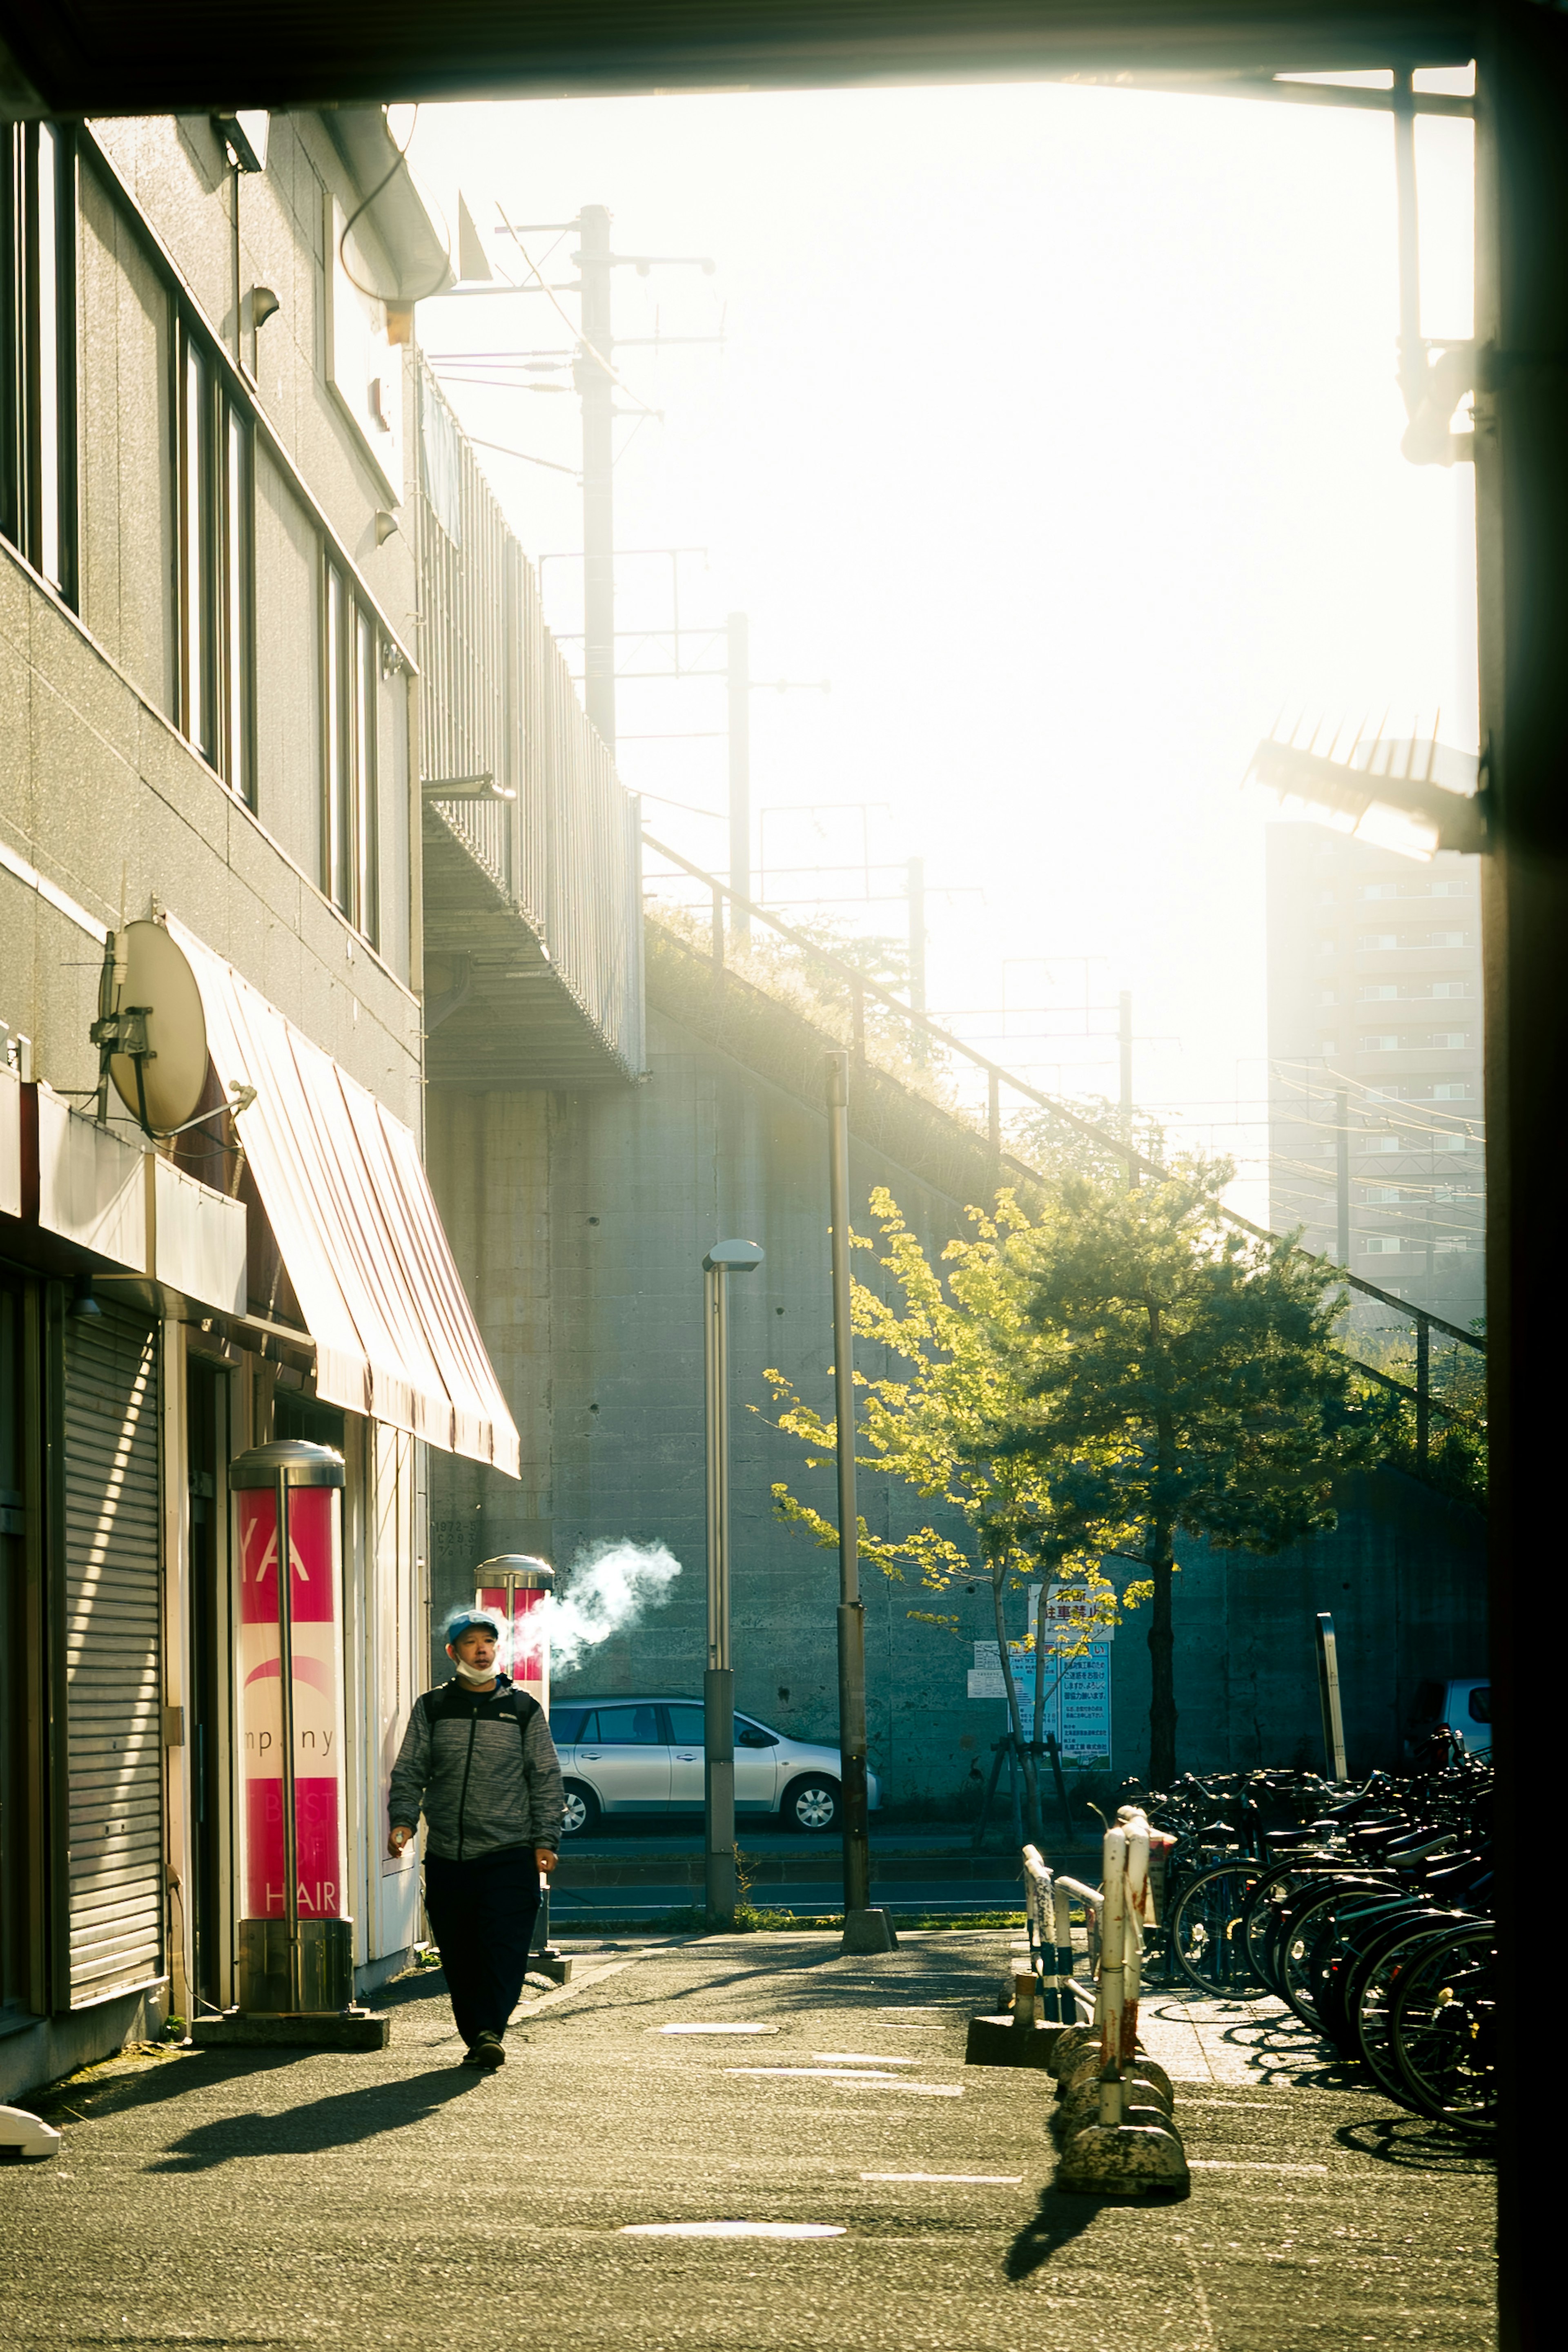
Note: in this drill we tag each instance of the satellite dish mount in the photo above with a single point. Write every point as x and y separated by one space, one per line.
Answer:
152 1034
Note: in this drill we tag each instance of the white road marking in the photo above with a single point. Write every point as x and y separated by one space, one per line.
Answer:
979 2180
816 2073
920 2090
859 2058
734 2229
712 2028
843 2079
1221 2164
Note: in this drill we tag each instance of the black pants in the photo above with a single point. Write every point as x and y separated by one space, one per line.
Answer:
483 1916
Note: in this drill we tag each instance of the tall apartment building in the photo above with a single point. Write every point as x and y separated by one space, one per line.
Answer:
1375 1136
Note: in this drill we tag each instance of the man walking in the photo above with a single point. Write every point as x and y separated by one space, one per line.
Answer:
477 1759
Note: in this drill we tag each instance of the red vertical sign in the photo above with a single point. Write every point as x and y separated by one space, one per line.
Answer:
315 1686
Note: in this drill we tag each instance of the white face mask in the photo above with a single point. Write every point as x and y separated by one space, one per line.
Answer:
475 1674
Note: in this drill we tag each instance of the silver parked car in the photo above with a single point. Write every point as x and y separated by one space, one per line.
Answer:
645 1755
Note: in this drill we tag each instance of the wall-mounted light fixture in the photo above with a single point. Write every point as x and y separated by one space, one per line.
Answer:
245 134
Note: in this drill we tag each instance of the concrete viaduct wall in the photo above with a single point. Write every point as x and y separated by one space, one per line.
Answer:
582 1219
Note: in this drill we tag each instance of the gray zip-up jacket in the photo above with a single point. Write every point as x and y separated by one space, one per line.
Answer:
481 1767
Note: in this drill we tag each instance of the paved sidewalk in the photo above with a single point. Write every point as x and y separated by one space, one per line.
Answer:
315 2200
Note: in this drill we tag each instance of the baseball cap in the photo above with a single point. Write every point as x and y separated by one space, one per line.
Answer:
465 1620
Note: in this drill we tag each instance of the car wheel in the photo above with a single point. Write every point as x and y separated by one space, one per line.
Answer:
813 1804
582 1810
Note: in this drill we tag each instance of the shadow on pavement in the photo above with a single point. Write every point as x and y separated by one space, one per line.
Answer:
340 2121
1417 2144
1060 2220
175 2078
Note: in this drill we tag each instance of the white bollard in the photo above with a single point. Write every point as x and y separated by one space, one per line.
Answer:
1037 1912
1112 1976
1127 2151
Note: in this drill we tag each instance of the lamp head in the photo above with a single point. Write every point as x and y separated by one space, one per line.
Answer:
733 1257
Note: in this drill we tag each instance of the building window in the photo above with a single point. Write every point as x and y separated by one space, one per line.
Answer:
1382 1245
350 673
37 349
217 663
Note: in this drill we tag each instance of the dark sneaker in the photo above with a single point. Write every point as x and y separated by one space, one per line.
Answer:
488 2051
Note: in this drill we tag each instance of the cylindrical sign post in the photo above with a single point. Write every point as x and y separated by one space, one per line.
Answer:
295 1939
516 1586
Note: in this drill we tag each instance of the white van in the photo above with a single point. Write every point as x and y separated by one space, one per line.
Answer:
1463 1703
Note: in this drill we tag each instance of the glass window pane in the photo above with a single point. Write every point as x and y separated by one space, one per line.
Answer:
236 665
566 1725
339 870
629 1727
196 550
1481 1704
686 1725
48 361
365 776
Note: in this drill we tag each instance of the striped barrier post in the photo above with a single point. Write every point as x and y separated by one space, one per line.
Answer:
1120 2139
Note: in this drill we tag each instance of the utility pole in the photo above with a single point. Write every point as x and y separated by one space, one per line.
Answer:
865 1930
739 678
1413 374
596 391
1124 1062
740 686
917 894
1341 1175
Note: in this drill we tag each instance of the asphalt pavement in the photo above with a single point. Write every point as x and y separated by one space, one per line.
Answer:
903 2200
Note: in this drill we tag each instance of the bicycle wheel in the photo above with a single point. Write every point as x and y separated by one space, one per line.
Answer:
1204 1932
1442 2028
1311 1927
1263 1919
1373 1979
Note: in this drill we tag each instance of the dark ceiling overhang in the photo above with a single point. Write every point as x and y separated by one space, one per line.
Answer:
105 58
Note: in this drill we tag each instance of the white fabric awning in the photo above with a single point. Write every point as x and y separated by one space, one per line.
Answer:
349 1203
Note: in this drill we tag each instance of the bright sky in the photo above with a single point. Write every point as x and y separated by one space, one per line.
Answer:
1057 428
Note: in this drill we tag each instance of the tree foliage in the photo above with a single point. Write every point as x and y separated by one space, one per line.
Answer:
964 1357
1182 1377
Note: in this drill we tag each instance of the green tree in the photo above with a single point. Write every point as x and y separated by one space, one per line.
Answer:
1179 1377
966 1359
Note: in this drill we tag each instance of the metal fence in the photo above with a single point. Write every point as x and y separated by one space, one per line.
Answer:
497 706
1007 1161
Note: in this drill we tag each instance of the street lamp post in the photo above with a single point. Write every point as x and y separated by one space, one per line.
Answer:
724 1259
865 1930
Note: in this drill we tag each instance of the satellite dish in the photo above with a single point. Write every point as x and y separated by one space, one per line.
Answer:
159 984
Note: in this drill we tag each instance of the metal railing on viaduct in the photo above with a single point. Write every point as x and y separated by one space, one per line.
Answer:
999 1080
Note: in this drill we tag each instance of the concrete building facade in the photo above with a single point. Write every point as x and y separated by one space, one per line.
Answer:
210 725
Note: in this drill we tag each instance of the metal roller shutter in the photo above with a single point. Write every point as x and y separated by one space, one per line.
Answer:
114 1681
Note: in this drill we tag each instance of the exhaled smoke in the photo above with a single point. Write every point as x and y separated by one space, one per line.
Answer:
611 1585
